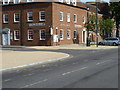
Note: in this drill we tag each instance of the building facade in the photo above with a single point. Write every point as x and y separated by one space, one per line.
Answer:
43 23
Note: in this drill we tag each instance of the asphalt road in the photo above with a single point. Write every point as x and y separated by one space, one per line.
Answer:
83 69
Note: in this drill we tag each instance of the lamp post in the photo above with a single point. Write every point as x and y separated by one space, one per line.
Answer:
96 23
88 39
56 35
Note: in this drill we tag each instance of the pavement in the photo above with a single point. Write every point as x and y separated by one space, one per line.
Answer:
16 59
71 46
96 68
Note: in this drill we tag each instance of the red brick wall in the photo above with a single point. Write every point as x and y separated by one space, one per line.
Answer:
35 8
63 24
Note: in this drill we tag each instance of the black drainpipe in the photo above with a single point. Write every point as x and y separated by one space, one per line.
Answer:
21 24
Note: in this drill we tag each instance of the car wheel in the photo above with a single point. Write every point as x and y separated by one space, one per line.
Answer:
114 44
100 43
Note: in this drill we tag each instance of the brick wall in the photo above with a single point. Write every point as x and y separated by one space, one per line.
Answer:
64 25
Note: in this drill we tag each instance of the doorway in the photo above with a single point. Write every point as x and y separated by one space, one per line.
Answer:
84 36
6 36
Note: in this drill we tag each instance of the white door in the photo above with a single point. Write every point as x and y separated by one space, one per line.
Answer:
84 36
6 39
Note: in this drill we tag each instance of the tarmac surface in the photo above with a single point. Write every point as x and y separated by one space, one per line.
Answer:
16 57
86 68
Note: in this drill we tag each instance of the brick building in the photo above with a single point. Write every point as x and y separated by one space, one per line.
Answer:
43 23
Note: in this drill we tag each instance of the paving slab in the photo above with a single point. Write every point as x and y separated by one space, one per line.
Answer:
72 46
15 59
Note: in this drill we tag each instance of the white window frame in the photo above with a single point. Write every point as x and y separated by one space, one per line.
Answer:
68 1
15 35
40 16
83 19
68 32
75 19
28 17
61 1
15 17
74 2
30 1
40 34
62 34
15 2
74 35
61 19
28 34
6 3
68 17
4 15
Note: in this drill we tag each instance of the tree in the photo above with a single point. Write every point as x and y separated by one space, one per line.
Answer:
115 9
107 25
90 25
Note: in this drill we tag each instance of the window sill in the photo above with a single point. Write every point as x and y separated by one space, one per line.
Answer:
30 39
42 39
42 20
29 21
5 23
16 39
61 39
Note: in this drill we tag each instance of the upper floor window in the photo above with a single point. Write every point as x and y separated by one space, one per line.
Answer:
74 2
30 16
42 15
68 1
16 17
6 2
75 18
68 17
42 35
16 1
68 34
83 19
5 18
61 16
61 1
29 0
16 35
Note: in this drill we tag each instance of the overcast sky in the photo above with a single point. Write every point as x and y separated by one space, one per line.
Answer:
93 0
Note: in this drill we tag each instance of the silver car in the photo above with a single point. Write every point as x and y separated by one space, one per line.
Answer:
110 41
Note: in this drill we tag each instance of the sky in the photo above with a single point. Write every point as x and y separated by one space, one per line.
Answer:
93 0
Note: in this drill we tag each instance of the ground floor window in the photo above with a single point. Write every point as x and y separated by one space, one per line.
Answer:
16 35
42 35
61 34
30 34
75 34
68 34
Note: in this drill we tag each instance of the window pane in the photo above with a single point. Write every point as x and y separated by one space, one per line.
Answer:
42 34
30 34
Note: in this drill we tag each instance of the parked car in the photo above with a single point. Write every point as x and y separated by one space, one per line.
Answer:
110 41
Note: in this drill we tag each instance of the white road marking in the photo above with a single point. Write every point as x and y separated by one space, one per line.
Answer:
35 83
102 62
74 71
7 80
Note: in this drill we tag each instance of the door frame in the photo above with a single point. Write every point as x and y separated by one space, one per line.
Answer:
8 35
84 30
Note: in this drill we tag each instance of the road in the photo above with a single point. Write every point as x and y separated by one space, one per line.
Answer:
83 69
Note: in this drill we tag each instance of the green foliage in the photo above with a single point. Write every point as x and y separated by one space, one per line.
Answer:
115 9
91 24
106 24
